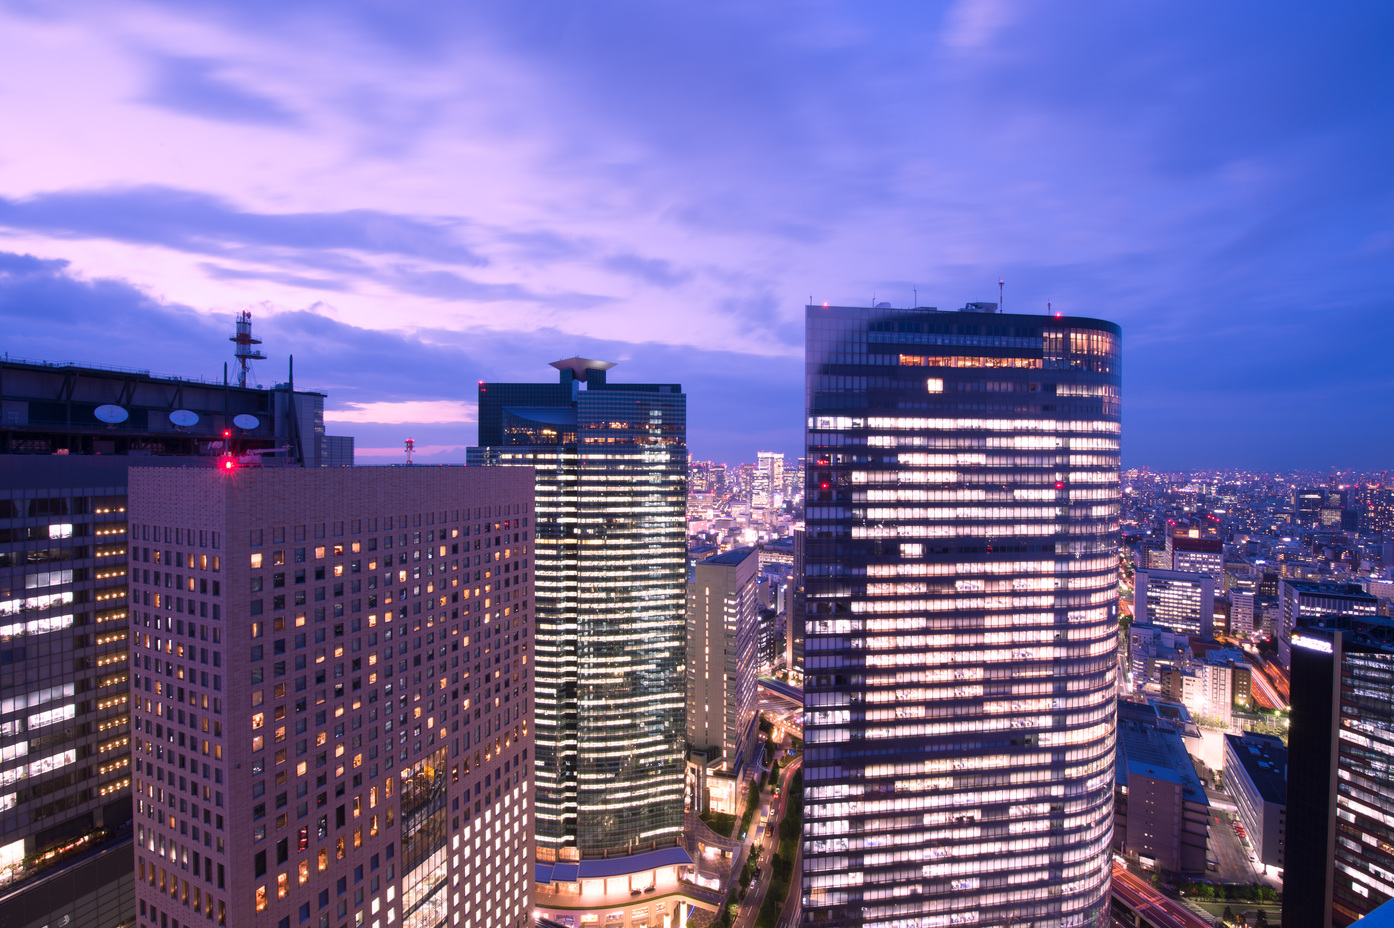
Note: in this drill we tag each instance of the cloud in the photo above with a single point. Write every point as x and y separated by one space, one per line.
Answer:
202 223
434 411
194 87
971 24
486 188
655 271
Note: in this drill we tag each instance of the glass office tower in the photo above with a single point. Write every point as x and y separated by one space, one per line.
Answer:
611 586
961 603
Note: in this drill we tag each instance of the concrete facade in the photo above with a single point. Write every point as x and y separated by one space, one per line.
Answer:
332 697
721 655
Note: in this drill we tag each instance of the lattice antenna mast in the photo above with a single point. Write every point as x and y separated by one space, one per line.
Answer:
245 351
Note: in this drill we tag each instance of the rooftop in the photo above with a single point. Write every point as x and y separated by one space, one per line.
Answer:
734 556
1159 753
1265 762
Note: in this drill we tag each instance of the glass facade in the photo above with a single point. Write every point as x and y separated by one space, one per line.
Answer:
611 465
962 504
1340 757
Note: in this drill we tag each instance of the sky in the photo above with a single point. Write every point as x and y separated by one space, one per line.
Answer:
411 198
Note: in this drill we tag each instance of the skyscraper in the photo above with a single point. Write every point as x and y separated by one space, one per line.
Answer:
331 697
961 583
767 483
611 462
68 434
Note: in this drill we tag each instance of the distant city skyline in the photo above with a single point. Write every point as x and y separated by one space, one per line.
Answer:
414 202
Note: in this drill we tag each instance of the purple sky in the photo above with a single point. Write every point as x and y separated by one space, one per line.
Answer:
414 197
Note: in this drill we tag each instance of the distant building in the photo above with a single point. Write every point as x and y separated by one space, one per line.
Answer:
338 451
722 630
1306 505
1195 554
1241 614
1182 601
1340 836
1255 774
767 482
794 622
1161 812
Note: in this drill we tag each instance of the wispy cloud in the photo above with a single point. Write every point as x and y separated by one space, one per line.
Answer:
195 87
434 411
426 195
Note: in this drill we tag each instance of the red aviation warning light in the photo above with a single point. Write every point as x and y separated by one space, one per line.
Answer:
227 464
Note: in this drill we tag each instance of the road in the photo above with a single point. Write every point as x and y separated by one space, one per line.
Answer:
1267 694
755 896
1157 909
1229 854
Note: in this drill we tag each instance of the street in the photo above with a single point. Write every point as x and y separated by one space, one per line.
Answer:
755 896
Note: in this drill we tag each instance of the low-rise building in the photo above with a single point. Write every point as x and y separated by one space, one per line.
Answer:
1255 774
1161 812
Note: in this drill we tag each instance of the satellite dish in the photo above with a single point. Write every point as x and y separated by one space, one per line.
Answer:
111 414
184 418
245 421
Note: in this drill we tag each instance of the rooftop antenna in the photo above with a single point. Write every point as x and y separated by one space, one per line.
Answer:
1001 295
411 448
916 291
244 351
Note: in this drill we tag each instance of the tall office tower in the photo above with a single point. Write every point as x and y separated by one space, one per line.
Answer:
331 698
1340 777
767 482
1177 600
611 597
722 655
67 435
962 557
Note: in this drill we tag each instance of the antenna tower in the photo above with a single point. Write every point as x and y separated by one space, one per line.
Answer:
411 449
244 351
1001 295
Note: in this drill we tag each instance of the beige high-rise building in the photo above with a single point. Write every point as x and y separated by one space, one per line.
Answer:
332 696
722 655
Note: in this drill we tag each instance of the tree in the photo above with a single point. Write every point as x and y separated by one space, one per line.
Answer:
1228 916
1261 920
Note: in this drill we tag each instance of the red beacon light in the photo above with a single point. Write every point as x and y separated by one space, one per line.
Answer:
229 463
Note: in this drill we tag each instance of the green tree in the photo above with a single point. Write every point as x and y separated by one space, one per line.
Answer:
1228 916
1261 920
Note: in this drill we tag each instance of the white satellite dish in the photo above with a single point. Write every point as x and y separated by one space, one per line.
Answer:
245 421
111 414
184 418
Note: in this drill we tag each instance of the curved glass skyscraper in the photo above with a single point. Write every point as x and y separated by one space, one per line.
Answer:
961 550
